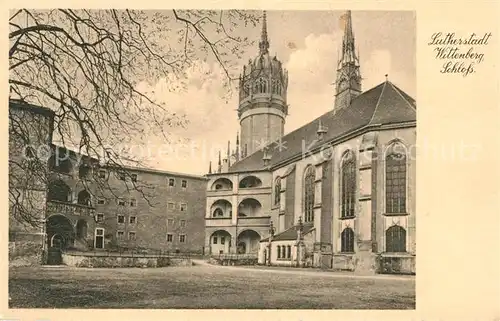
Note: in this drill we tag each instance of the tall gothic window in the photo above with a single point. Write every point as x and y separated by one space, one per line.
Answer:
277 191
348 200
395 239
260 86
395 179
309 194
347 240
276 87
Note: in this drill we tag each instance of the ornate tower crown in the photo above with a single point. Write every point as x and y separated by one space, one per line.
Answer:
262 97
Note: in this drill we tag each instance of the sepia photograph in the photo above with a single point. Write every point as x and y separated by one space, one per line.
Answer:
212 159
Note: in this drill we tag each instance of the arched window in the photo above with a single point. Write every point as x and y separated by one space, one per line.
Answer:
279 251
277 191
84 198
347 240
395 239
83 171
395 179
59 191
309 194
348 177
289 251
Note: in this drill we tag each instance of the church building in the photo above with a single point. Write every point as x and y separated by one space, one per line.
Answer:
336 193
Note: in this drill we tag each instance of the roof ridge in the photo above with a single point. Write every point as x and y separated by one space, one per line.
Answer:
398 91
378 102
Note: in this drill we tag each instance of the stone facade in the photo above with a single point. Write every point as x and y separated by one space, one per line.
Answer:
323 188
70 201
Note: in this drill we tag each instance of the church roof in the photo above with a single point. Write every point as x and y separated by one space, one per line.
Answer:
384 104
290 234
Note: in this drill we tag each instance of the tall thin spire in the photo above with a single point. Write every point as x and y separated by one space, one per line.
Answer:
237 153
210 167
348 83
219 168
348 47
264 42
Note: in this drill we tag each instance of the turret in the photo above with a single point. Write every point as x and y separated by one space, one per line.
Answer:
262 105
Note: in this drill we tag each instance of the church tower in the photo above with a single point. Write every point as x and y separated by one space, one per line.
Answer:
348 83
262 99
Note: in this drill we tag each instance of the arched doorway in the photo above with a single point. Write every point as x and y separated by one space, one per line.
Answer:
248 242
60 232
242 248
220 242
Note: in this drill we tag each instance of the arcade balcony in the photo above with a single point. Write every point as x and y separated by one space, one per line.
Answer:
65 208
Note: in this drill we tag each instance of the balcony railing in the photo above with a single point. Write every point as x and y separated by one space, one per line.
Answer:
217 221
58 207
254 221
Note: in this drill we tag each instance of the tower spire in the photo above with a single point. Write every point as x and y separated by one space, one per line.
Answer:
210 167
228 153
264 42
348 47
348 83
237 153
219 168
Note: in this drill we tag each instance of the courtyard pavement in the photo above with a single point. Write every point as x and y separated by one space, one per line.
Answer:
205 286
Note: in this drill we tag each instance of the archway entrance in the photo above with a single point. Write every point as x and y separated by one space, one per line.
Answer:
220 242
248 242
60 232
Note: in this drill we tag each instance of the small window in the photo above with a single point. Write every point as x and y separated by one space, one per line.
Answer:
170 238
133 177
215 240
222 240
102 173
183 207
101 201
183 223
120 235
121 176
131 235
170 222
132 220
184 183
171 205
121 219
99 232
121 202
100 217
182 238
171 182
133 202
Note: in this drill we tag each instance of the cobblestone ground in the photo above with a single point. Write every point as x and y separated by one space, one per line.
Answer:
201 287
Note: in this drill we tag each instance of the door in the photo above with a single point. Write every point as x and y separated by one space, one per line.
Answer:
99 238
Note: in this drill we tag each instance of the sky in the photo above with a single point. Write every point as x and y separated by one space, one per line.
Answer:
307 43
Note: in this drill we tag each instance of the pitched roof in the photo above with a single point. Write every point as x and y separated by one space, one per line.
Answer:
290 234
383 104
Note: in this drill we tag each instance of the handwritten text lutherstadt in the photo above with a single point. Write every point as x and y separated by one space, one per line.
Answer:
460 53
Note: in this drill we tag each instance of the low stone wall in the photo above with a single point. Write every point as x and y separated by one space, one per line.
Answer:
229 261
123 261
397 265
25 253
